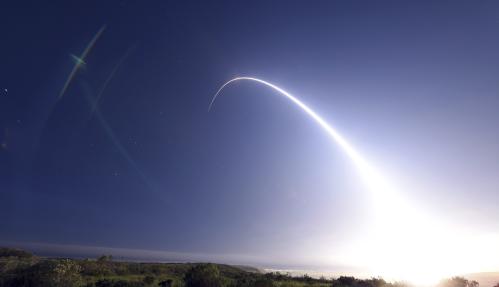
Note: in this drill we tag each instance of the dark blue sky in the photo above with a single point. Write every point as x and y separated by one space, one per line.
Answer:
412 84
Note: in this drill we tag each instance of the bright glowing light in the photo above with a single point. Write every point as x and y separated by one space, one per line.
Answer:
402 243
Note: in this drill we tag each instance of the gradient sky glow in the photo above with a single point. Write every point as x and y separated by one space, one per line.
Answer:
412 85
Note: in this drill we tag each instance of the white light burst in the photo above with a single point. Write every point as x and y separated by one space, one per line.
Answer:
402 243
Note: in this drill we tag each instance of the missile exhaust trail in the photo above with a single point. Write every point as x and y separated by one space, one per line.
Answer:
401 237
372 177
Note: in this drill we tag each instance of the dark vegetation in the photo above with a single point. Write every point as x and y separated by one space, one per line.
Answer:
458 282
19 268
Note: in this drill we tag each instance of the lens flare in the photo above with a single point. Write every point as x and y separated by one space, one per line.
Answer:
117 143
108 80
79 61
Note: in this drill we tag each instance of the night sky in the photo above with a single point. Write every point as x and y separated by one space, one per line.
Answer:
413 85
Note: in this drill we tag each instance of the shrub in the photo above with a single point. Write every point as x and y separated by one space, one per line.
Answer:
148 280
204 275
12 252
264 282
60 273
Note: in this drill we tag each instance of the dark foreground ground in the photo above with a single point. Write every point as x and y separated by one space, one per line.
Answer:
21 268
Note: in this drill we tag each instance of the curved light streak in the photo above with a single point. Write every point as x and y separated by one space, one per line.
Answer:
369 174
